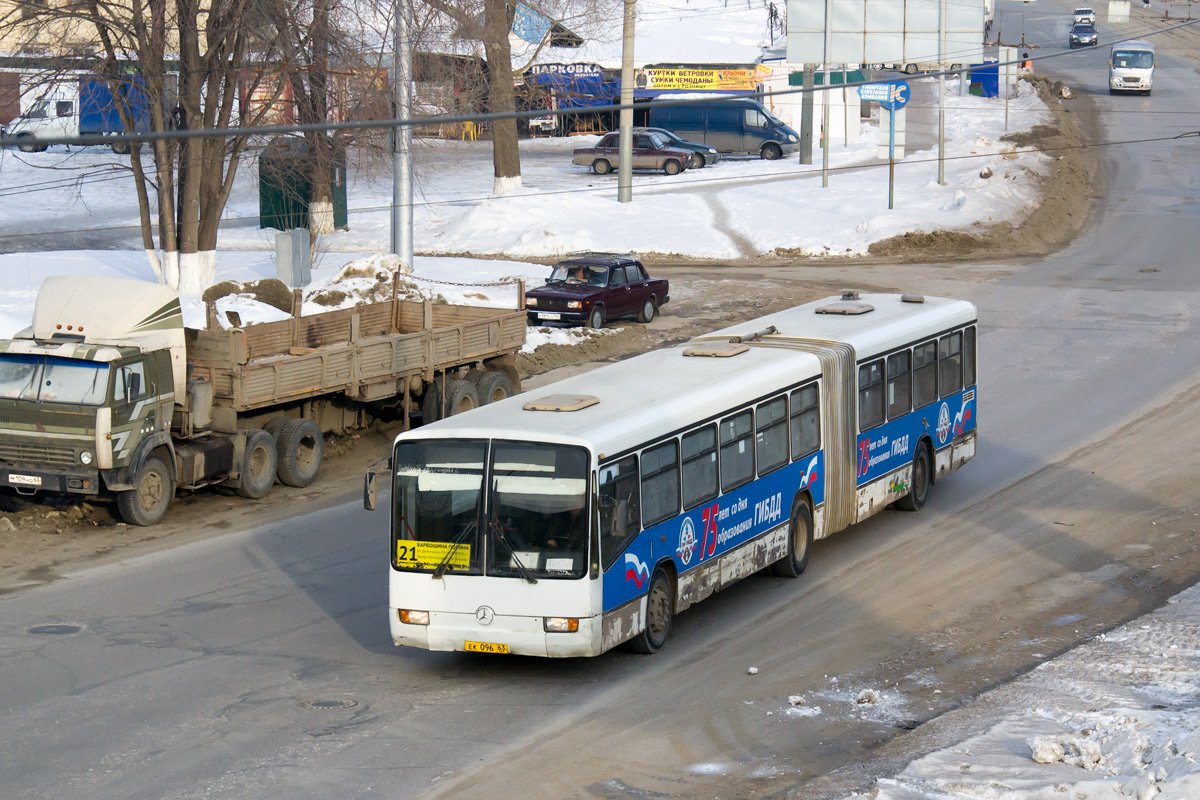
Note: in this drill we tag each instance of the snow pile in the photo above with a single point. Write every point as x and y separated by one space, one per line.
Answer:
377 279
536 337
1116 718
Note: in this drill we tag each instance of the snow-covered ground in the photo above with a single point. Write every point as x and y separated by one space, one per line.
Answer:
1116 718
739 207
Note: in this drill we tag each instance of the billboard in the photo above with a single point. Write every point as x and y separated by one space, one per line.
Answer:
674 79
885 31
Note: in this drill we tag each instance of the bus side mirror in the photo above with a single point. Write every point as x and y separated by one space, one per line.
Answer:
371 483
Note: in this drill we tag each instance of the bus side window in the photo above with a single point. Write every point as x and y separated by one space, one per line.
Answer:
699 451
969 357
899 384
772 438
806 421
737 451
925 374
660 483
619 507
870 395
950 368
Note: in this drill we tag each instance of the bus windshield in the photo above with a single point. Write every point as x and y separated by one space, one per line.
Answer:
1133 59
536 509
49 379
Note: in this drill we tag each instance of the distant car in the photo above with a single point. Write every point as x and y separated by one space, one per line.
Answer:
1082 35
593 288
649 152
703 155
1084 14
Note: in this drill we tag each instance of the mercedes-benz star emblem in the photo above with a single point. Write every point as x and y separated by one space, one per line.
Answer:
484 615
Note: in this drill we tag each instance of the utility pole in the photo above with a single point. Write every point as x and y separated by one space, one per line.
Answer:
625 140
806 116
827 84
402 185
942 92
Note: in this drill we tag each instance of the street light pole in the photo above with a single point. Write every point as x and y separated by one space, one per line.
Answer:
625 140
402 184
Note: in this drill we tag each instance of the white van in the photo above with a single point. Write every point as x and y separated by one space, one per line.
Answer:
1131 67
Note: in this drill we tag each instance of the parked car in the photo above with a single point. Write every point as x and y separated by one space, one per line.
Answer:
702 154
649 152
1084 14
592 288
739 125
1083 34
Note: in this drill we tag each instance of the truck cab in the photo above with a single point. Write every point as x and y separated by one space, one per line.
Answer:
87 393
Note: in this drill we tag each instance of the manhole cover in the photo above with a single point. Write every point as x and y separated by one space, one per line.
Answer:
326 705
55 630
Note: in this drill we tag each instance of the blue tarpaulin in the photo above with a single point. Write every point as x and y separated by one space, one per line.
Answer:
987 75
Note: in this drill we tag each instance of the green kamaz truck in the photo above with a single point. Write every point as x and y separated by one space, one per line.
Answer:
108 395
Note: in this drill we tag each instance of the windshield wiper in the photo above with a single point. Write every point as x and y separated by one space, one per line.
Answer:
457 542
522 570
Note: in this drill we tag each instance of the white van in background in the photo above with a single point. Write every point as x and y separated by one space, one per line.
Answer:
1131 67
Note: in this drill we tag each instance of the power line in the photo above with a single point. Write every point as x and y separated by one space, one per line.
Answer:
795 174
446 119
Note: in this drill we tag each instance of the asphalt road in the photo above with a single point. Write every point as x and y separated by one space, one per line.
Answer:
258 664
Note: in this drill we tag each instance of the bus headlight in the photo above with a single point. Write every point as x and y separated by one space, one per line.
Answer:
85 457
414 617
560 624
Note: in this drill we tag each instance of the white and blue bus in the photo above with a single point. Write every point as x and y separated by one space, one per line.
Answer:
574 518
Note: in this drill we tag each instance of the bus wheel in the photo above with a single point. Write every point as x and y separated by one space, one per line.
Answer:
918 493
800 539
152 491
659 611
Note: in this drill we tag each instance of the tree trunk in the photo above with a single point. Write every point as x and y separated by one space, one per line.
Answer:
506 157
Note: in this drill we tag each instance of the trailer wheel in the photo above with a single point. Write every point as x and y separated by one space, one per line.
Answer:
258 465
431 404
153 490
493 386
460 396
299 446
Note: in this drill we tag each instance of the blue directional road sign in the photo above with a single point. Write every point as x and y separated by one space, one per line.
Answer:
889 95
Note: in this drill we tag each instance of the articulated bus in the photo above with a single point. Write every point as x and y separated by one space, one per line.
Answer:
586 514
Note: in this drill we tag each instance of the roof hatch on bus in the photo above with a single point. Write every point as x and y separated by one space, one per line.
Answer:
562 402
717 349
849 305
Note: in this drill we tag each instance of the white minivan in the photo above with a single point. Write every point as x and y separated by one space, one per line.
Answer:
1131 67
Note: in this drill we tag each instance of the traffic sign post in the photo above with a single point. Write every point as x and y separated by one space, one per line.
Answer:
892 96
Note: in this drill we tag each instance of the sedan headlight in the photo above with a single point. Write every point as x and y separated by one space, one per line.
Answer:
531 301
712 150
574 304
85 457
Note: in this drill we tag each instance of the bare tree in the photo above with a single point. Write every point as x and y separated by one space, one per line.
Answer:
218 61
490 24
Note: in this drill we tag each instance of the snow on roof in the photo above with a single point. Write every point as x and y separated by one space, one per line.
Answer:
678 31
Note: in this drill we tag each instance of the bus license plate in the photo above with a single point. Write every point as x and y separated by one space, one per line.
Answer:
549 316
485 647
24 480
